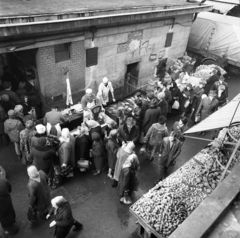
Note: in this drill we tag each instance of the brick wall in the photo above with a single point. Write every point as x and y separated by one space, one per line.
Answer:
52 80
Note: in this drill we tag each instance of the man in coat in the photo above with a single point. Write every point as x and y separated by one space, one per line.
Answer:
171 148
7 213
211 81
151 116
44 157
129 131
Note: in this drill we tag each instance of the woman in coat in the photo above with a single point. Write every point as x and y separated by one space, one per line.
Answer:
25 141
64 220
98 153
113 145
43 158
127 180
7 213
154 137
186 99
39 195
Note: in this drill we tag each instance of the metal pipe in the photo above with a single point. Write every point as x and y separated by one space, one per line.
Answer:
103 16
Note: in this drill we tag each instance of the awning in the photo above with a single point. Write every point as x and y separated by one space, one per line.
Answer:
223 7
220 118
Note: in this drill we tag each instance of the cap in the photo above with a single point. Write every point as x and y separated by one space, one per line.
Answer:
105 80
40 129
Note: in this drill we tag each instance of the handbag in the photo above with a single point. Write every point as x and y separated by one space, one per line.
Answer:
32 214
67 171
175 105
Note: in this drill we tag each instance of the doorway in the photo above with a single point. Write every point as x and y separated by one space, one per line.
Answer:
131 78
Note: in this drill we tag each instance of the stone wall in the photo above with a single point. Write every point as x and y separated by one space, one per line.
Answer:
52 79
120 46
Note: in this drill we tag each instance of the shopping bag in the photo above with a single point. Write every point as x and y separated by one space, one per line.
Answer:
175 105
32 214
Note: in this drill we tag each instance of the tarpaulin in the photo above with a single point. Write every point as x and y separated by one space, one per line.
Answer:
220 118
221 6
216 34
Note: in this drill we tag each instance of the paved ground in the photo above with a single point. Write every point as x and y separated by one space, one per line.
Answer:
95 203
29 7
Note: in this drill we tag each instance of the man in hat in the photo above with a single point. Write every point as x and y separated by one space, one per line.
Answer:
129 131
105 90
12 128
217 84
151 116
13 97
162 104
52 120
207 106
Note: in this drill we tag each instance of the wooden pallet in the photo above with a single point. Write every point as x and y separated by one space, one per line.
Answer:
144 230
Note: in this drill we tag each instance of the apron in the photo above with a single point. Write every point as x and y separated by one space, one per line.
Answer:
57 127
105 94
87 115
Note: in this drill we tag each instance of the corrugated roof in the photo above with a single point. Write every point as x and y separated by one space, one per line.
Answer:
237 2
221 6
220 118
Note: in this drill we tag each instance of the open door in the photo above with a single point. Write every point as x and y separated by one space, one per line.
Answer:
131 78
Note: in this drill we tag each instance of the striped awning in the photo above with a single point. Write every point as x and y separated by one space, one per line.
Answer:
223 7
220 118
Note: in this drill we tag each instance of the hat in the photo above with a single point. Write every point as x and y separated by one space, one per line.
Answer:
162 119
221 87
161 95
105 80
153 103
95 136
18 108
11 112
212 93
129 148
42 141
5 98
89 90
40 129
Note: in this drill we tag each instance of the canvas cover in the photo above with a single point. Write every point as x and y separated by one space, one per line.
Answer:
224 31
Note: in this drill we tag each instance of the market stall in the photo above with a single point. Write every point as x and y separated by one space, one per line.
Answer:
161 210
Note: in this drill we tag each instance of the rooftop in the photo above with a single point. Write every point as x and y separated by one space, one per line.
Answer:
48 7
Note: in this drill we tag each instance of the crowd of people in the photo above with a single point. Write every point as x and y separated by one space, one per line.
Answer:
52 153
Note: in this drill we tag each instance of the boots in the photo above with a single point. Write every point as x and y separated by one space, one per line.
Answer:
77 226
127 200
110 173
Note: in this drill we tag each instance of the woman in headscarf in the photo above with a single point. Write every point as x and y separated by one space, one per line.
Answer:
98 153
113 145
66 150
122 154
39 196
94 126
41 132
127 180
186 99
64 220
82 145
25 141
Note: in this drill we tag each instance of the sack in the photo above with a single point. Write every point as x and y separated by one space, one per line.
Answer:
2 172
141 139
186 104
175 105
32 214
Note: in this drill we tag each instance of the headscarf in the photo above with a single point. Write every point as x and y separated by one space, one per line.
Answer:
95 136
29 124
18 108
41 129
132 161
129 148
58 201
91 124
33 173
161 95
113 133
65 135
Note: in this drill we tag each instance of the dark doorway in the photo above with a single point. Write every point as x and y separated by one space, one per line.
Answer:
131 78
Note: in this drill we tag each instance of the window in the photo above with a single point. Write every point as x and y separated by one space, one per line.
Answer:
169 39
62 52
91 56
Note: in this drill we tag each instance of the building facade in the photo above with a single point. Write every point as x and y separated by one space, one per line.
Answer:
113 43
